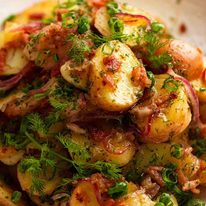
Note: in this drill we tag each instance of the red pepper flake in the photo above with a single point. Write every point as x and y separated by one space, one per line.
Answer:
112 64
108 80
182 28
36 16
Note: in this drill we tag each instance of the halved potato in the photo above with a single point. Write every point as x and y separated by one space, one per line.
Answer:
10 156
132 19
42 8
25 180
112 84
84 195
76 75
164 115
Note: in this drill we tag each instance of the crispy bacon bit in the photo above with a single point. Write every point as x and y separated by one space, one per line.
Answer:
155 173
112 64
151 189
139 77
98 135
108 80
36 16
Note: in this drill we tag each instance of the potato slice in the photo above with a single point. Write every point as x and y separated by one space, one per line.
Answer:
76 75
10 156
172 115
112 86
84 195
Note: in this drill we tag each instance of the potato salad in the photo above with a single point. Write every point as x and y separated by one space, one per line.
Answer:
99 106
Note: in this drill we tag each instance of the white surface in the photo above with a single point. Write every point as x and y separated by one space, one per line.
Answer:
190 12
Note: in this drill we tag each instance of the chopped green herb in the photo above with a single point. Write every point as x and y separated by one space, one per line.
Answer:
118 190
83 24
107 49
76 151
116 25
165 199
16 196
78 49
47 21
169 177
157 27
152 78
199 147
202 89
55 57
9 18
112 8
176 151
170 84
195 202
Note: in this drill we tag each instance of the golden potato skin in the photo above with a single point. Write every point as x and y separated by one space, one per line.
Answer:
25 180
112 88
10 156
188 61
168 114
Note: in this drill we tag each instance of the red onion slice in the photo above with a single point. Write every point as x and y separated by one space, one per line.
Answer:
193 100
8 84
43 88
191 95
134 18
29 28
114 150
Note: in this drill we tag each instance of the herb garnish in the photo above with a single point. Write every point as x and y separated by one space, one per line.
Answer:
170 84
83 24
118 190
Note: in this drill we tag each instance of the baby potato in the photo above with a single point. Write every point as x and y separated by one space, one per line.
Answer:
76 75
162 154
15 61
118 149
134 197
10 156
10 98
117 77
132 19
37 11
84 195
6 196
165 115
188 60
25 180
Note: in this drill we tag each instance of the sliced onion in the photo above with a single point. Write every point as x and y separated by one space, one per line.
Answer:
109 147
29 28
191 95
147 128
8 84
136 19
193 100
43 88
